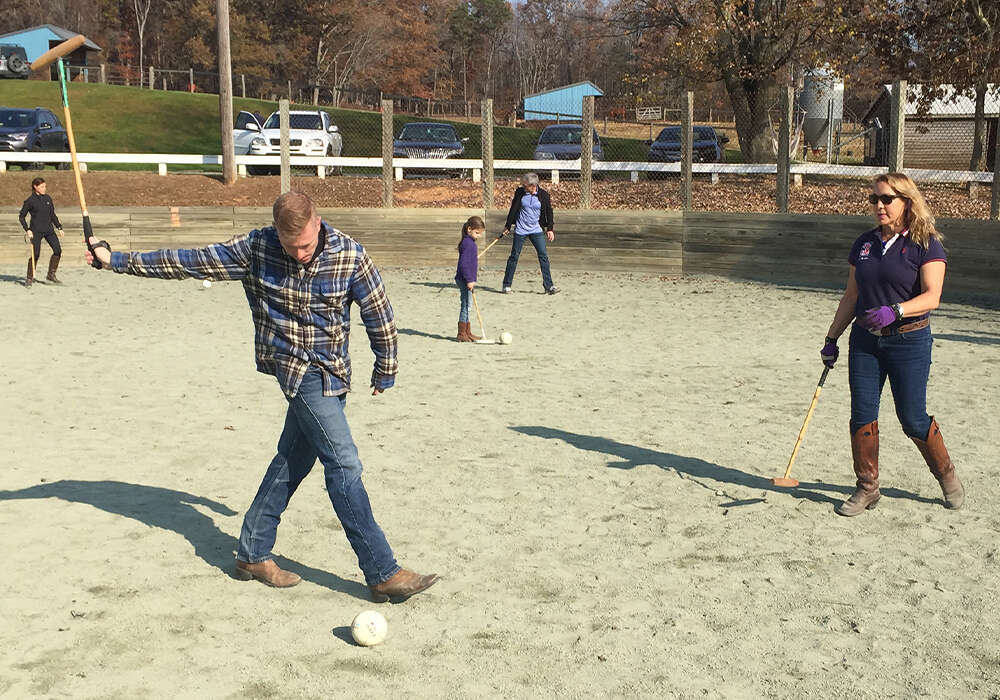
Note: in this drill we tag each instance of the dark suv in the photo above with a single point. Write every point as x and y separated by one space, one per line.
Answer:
707 146
35 129
13 61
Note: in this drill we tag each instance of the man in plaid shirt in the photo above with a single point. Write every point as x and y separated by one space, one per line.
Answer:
300 277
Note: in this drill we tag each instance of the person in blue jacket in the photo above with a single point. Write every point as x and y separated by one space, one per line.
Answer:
530 217
467 274
895 281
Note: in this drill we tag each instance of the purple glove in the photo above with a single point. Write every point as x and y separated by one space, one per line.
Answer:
830 352
874 319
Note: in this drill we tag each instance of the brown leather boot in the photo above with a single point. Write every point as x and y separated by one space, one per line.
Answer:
401 586
53 266
463 333
29 277
936 456
468 329
864 448
266 572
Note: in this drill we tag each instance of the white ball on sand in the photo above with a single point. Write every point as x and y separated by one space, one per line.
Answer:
506 338
369 628
206 283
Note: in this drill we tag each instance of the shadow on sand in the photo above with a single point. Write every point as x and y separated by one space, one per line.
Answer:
174 511
695 468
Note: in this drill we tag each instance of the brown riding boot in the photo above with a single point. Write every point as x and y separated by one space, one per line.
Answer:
468 329
864 447
463 333
937 459
266 572
29 277
53 266
401 586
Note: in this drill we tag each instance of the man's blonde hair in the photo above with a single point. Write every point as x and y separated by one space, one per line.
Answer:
292 211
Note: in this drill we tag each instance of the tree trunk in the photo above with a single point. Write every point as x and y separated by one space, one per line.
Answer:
977 161
751 100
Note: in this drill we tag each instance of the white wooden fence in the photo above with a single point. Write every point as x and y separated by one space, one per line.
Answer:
475 166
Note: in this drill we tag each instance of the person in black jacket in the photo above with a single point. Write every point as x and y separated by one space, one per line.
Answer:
530 216
44 224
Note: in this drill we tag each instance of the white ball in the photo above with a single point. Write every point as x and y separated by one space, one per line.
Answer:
206 283
506 338
369 628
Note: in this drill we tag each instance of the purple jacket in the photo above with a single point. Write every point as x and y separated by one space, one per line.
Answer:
468 261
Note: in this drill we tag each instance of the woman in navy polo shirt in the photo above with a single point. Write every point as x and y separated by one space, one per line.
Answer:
895 280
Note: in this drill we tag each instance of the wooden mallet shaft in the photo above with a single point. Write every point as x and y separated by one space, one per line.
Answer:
482 328
785 480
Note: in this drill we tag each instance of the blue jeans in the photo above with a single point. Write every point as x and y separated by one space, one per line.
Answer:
315 426
537 240
905 359
466 300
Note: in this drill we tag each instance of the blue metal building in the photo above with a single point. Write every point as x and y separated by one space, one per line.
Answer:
558 104
38 40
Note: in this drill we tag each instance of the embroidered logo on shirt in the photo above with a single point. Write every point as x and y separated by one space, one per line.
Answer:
866 250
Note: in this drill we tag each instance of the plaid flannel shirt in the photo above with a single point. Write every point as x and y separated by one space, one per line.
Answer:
301 313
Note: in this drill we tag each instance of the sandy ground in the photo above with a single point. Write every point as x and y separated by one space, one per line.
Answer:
596 495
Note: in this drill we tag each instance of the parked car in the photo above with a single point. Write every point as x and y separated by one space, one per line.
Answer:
311 133
429 140
562 142
13 61
706 148
35 129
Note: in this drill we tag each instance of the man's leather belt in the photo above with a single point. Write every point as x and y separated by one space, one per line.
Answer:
905 328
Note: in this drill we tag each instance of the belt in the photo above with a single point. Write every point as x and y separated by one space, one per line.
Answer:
905 328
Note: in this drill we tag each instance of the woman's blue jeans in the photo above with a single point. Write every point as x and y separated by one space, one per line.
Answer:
905 359
466 300
537 240
315 426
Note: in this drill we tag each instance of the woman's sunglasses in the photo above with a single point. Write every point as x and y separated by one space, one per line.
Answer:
886 199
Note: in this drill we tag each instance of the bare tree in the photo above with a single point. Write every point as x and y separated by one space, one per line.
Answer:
142 8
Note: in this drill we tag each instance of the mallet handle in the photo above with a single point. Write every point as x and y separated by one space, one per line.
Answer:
489 246
805 424
482 329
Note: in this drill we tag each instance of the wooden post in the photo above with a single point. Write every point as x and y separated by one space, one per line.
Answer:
104 74
315 96
164 83
784 146
897 119
387 154
152 79
587 152
190 79
995 201
243 83
687 148
286 167
225 93
289 90
487 135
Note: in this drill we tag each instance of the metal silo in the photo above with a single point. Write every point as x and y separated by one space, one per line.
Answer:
822 100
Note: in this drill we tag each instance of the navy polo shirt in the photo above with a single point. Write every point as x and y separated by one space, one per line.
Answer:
892 277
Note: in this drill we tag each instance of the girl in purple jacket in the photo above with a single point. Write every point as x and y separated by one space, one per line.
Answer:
466 274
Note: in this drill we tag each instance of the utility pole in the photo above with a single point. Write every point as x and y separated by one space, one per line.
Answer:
225 94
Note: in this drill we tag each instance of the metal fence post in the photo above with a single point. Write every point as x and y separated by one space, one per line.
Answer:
687 148
387 154
897 117
995 201
487 136
784 147
587 152
286 168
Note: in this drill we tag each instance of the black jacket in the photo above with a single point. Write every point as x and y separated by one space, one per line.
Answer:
43 214
544 219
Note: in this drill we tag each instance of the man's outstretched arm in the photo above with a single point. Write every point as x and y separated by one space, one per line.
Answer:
219 261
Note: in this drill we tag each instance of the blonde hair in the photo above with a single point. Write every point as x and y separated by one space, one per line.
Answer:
292 211
918 216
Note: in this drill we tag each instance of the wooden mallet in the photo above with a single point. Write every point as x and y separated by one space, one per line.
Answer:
786 480
58 51
482 328
490 246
